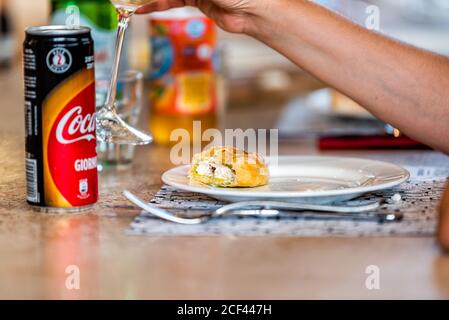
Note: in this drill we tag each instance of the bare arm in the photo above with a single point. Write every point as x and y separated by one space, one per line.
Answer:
402 85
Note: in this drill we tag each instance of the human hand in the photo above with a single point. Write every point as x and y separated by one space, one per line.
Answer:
230 15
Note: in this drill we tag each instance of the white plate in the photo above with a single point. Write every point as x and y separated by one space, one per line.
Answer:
305 179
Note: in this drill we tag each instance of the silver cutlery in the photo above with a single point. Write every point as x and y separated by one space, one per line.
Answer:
272 209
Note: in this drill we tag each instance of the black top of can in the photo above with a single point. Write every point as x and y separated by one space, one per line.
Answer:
49 31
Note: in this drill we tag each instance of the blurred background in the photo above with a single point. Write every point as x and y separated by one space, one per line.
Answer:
258 80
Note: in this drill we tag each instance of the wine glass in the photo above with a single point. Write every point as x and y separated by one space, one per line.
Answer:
111 128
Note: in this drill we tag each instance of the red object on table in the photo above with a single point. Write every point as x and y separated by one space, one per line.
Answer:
370 142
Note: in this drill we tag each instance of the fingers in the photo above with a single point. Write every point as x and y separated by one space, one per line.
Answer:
148 8
161 5
206 6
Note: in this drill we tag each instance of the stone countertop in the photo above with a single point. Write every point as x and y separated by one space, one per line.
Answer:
37 249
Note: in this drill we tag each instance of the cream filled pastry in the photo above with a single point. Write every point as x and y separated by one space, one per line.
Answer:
229 167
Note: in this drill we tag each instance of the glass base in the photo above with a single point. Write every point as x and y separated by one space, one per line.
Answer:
112 129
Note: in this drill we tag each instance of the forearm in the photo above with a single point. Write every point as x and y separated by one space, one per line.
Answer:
401 85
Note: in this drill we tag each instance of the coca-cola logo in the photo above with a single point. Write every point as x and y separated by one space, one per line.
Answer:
75 127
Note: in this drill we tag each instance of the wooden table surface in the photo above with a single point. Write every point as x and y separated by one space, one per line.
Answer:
36 248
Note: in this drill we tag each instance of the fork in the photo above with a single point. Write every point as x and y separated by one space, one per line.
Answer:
270 209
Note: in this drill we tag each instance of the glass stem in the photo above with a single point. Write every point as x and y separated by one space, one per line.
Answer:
124 17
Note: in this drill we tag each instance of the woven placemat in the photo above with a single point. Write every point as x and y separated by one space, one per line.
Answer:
420 198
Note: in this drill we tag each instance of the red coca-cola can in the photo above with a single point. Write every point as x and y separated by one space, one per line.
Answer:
61 158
